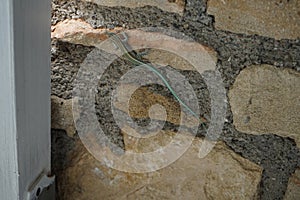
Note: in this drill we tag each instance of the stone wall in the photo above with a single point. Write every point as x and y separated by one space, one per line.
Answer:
254 45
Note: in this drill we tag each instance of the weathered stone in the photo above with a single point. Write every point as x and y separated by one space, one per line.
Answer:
179 54
176 6
222 174
168 58
62 115
193 55
266 99
139 106
278 19
78 32
143 145
293 189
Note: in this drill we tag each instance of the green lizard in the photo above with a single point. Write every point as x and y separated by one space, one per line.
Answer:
130 57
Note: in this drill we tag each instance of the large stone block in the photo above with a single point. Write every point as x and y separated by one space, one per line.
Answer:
222 174
266 99
80 32
176 6
271 18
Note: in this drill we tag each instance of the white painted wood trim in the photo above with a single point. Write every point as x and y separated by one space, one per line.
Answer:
25 95
8 137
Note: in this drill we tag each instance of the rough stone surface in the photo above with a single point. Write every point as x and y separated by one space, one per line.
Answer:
66 59
143 99
62 115
293 189
221 175
279 156
78 32
265 99
150 95
278 19
74 30
176 6
173 46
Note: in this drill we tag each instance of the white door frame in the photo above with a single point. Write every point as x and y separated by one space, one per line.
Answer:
24 95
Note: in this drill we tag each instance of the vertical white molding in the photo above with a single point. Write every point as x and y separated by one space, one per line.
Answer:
25 95
9 188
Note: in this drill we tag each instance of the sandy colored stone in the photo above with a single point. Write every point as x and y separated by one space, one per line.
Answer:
293 189
143 99
79 32
222 174
164 50
62 115
164 58
266 99
176 6
167 50
271 18
143 145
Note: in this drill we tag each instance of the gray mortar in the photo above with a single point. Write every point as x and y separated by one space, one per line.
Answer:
278 156
65 63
